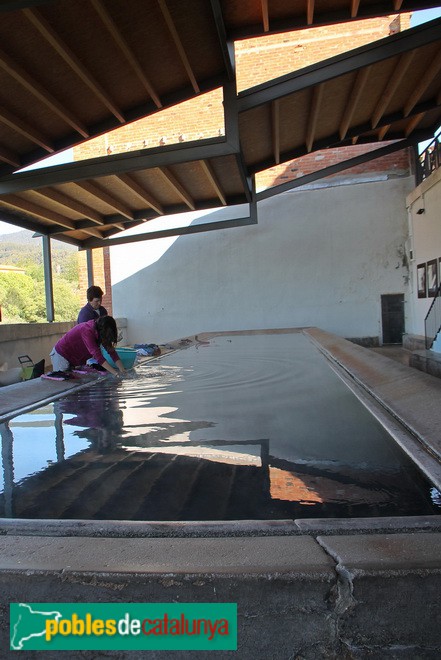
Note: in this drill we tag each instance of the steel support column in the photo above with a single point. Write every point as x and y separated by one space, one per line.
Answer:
48 283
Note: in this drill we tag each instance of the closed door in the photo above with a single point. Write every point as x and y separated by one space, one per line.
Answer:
392 317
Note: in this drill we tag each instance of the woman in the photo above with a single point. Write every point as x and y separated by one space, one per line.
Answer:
83 342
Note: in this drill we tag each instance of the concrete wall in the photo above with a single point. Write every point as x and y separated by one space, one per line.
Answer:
425 241
320 257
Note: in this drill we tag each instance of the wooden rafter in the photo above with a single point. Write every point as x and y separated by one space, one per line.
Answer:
413 123
177 40
69 203
48 33
354 8
265 15
139 191
21 76
275 130
431 72
353 101
39 211
382 132
392 86
309 12
167 176
397 5
126 50
8 156
105 197
317 95
211 176
22 127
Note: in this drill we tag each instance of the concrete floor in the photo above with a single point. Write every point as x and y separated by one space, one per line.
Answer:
360 588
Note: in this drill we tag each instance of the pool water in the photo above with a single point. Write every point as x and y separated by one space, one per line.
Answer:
241 427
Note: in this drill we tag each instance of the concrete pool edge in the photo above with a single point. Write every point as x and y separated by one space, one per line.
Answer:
307 588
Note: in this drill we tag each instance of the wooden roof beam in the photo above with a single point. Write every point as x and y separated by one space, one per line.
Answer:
397 5
175 36
382 132
25 129
178 188
105 197
126 50
211 176
139 191
275 130
309 12
27 206
392 85
265 15
49 34
413 123
10 157
69 203
354 8
43 95
431 72
317 95
354 98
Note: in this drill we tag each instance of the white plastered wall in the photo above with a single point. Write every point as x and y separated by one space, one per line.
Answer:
425 242
319 257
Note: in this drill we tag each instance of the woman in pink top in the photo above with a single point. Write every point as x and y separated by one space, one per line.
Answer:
83 342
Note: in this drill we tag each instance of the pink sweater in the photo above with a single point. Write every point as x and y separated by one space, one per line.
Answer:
81 343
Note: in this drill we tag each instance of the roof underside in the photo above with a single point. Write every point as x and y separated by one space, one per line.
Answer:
73 70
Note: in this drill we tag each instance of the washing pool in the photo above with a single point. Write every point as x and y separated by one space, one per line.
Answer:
254 426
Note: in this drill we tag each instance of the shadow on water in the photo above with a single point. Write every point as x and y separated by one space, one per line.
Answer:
252 428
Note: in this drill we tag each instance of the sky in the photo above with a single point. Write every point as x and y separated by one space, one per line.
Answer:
418 17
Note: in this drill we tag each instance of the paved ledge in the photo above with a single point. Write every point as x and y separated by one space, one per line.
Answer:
301 556
411 396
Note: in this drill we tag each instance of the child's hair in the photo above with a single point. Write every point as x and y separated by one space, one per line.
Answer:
107 331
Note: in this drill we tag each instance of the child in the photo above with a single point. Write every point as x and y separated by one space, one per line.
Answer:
83 342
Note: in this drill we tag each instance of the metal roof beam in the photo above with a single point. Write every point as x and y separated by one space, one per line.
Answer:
340 65
117 164
251 219
110 122
227 46
334 169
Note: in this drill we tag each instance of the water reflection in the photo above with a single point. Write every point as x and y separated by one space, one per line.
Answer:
249 428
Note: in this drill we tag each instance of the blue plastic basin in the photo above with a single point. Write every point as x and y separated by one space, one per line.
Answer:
126 355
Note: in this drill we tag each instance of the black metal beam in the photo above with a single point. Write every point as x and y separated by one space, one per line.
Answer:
116 164
48 282
334 169
340 65
251 219
226 45
16 5
111 123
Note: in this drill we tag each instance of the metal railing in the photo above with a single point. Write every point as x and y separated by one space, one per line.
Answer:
429 159
432 322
